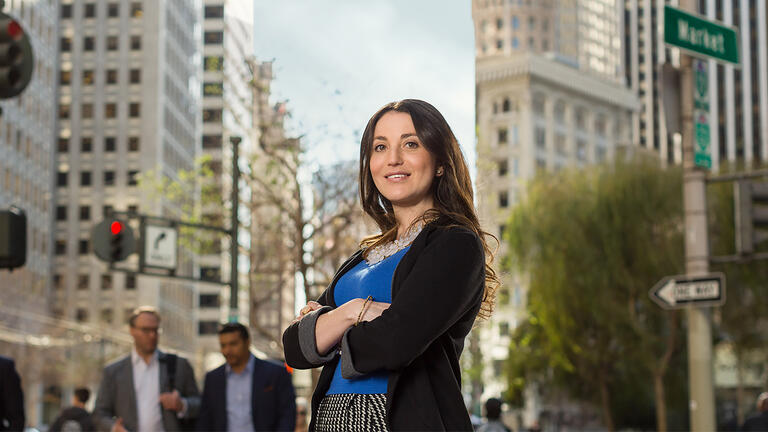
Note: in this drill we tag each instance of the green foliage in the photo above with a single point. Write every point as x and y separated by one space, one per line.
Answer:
592 243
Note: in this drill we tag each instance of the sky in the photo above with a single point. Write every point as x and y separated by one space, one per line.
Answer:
337 62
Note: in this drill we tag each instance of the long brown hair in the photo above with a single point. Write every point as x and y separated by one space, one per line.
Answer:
452 191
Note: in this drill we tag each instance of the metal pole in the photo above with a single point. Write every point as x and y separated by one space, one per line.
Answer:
233 252
700 372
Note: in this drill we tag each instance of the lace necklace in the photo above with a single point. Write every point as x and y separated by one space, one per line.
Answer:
388 249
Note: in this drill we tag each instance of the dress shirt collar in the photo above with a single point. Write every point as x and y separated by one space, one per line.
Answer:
136 358
248 367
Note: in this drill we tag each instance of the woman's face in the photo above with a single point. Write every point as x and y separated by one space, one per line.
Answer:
401 167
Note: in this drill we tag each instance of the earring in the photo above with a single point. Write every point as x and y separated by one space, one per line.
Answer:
440 171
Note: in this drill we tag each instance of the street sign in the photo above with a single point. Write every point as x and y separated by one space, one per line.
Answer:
701 153
160 246
700 36
675 292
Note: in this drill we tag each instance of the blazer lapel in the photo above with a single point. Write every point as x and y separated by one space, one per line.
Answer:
163 375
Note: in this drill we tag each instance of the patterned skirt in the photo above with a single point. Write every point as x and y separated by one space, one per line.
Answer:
352 412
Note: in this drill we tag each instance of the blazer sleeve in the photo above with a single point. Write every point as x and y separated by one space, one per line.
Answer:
286 402
445 283
188 389
297 354
11 396
205 415
103 409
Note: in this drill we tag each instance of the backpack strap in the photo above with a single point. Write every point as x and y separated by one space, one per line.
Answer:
170 367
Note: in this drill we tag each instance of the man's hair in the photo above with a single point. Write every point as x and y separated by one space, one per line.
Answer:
493 409
140 310
235 328
762 401
82 394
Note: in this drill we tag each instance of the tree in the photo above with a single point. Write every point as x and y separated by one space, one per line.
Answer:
592 242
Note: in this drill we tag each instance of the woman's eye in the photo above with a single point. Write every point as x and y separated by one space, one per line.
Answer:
412 144
379 147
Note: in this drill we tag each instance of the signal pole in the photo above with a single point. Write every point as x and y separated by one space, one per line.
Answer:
234 226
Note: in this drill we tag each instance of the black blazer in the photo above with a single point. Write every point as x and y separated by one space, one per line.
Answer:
11 397
437 289
273 403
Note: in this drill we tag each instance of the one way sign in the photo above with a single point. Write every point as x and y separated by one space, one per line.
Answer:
675 292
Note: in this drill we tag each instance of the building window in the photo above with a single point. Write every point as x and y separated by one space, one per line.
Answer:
214 11
86 111
82 247
66 44
211 141
515 43
135 43
90 10
515 22
212 115
106 282
85 178
209 300
130 282
88 77
213 89
61 213
502 228
133 209
581 150
560 112
110 144
82 281
133 144
89 43
111 76
113 43
503 167
81 315
503 199
60 247
86 144
61 178
85 213
208 327
499 24
136 10
109 178
538 104
503 329
531 23
65 77
63 145
106 211
213 38
134 110
531 43
110 110
502 135
113 10
66 11
135 76
58 282
63 111
213 63
499 44
132 178
540 138
107 316
210 273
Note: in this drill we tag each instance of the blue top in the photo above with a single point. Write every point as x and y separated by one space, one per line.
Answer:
239 387
361 281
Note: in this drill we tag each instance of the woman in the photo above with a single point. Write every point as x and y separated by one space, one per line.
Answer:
390 328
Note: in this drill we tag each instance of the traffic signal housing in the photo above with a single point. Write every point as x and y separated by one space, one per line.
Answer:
113 240
751 207
16 58
13 238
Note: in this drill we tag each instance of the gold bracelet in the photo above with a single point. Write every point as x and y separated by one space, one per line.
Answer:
362 310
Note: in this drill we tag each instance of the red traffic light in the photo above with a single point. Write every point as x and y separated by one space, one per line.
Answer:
116 227
14 30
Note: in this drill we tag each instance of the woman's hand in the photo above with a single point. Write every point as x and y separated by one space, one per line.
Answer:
310 307
374 310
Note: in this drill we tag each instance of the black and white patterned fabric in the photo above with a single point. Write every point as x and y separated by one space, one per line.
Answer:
352 412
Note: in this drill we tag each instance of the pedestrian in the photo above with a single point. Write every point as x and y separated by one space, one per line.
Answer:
75 418
391 326
11 397
759 421
493 417
245 393
148 390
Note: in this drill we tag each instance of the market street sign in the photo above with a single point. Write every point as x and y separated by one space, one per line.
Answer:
701 154
700 36
675 292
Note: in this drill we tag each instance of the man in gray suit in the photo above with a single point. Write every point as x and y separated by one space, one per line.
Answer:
137 394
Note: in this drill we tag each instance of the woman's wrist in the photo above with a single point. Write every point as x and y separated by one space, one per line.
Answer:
352 310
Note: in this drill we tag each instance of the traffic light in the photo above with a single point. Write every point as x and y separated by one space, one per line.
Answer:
16 59
113 240
13 238
751 207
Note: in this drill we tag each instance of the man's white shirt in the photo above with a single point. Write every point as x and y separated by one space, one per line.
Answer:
146 383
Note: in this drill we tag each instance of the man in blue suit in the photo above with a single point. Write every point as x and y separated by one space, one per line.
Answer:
246 394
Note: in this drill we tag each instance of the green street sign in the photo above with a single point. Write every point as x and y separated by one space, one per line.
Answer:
702 157
700 36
